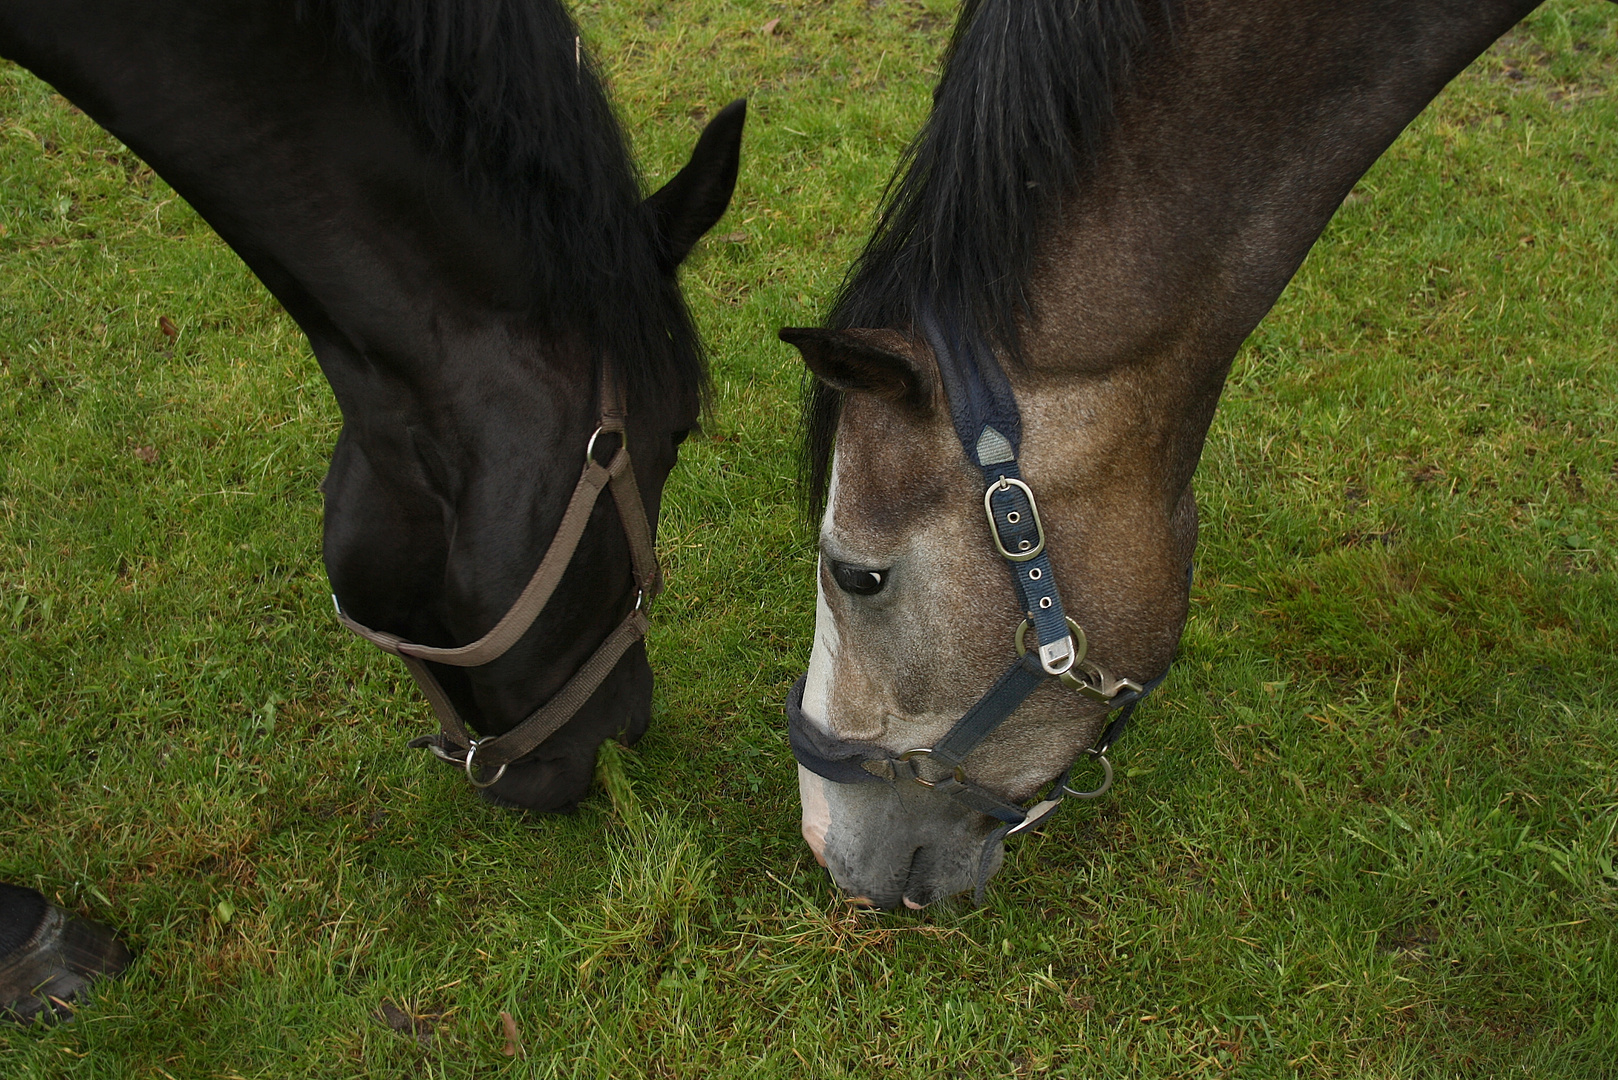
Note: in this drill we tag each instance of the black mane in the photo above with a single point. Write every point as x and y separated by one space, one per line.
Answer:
1025 100
504 89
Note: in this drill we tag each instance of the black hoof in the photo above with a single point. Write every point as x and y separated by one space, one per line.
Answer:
43 977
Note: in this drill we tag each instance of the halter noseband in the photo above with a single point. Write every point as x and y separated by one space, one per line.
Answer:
454 743
989 425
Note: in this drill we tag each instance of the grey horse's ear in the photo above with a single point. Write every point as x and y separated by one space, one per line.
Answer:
880 362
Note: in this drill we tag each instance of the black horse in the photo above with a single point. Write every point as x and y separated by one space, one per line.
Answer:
1107 198
439 194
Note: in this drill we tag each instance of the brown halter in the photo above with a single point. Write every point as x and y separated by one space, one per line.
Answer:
453 742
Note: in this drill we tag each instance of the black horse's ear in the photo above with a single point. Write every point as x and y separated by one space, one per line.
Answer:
879 362
687 206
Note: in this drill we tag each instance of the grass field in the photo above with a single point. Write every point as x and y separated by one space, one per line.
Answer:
1366 829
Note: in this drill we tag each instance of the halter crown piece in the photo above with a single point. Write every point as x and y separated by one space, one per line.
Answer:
989 426
454 743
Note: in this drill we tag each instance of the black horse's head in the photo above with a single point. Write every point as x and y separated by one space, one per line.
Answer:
462 236
459 453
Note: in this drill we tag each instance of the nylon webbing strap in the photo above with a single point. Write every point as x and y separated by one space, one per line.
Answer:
977 388
544 721
1016 522
531 601
632 514
838 760
989 712
989 427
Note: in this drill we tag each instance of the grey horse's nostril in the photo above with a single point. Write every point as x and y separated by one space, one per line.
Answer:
912 905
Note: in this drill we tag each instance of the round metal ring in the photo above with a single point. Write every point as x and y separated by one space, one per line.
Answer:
1080 645
1106 779
471 776
959 775
590 447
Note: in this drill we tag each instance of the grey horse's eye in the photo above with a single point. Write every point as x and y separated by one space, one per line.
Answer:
857 579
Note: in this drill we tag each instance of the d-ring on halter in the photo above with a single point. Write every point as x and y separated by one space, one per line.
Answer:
454 743
989 425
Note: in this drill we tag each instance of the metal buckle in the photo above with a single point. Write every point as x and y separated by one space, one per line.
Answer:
1079 648
472 749
958 775
1005 484
1106 779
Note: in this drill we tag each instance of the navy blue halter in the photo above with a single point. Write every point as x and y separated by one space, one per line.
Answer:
989 425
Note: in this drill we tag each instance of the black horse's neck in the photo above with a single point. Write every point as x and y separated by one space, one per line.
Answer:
309 169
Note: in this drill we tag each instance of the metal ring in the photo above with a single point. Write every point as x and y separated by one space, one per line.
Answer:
1080 644
472 749
959 775
1106 779
590 447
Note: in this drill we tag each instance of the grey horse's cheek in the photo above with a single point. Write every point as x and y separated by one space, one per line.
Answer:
816 812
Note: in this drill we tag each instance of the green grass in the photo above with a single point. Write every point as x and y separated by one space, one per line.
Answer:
1367 828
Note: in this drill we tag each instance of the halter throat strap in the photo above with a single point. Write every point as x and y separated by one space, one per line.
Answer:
454 742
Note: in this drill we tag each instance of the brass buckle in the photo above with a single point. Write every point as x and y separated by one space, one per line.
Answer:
1006 484
958 775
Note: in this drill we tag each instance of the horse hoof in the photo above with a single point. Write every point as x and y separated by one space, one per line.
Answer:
46 975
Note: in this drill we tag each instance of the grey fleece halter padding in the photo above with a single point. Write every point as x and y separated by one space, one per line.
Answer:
978 391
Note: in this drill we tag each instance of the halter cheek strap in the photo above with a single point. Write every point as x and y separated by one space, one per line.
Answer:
454 742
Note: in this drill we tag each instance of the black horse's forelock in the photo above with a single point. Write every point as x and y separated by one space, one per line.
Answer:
1026 98
505 90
